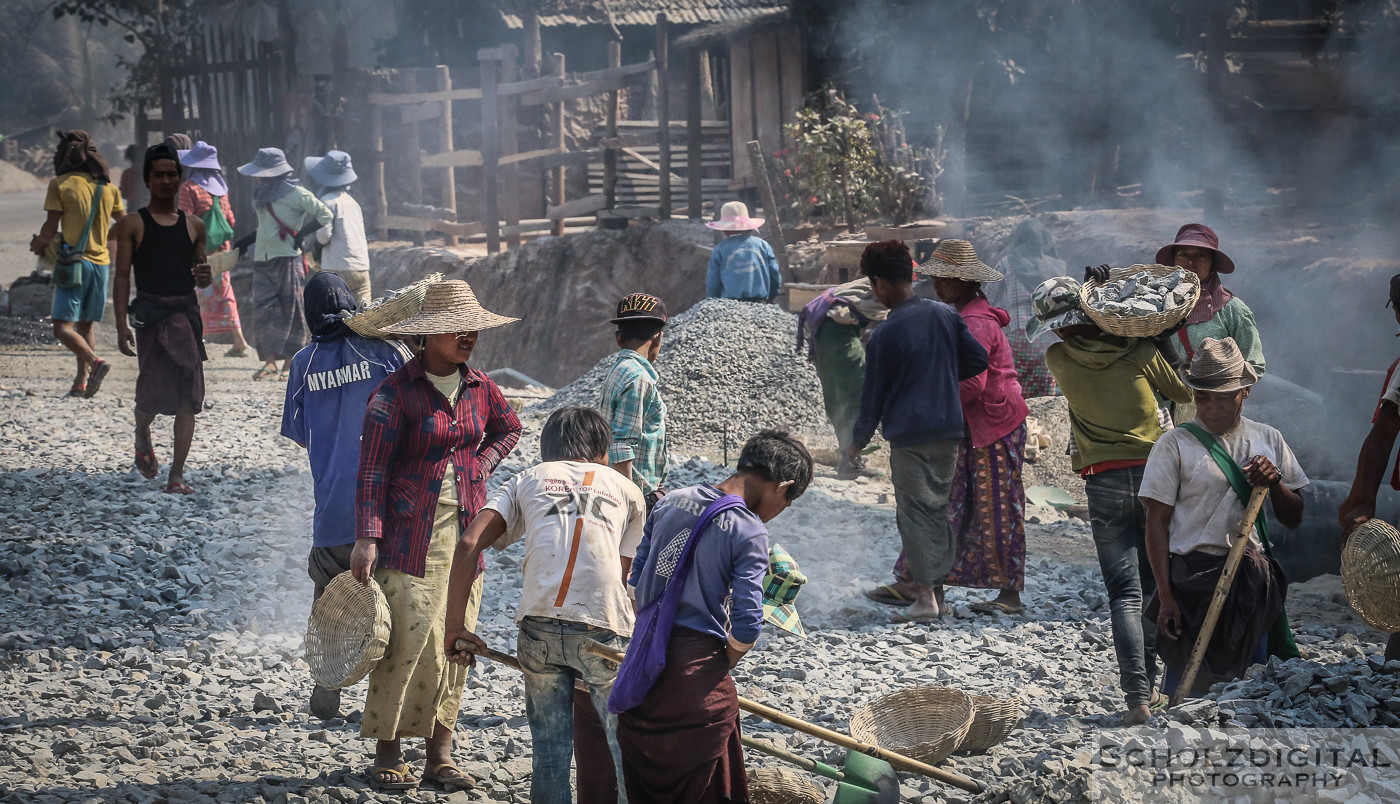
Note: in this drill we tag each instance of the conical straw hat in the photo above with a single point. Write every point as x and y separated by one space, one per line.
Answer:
1219 367
449 306
957 259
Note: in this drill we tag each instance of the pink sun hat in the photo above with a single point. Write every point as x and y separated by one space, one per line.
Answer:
734 217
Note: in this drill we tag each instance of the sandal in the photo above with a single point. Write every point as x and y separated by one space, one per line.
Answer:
95 377
459 781
264 372
177 487
78 391
146 463
889 595
237 351
996 607
402 780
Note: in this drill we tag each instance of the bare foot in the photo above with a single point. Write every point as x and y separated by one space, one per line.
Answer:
1138 714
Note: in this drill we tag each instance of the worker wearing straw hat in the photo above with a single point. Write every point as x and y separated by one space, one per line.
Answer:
1194 488
1360 505
987 503
434 432
743 265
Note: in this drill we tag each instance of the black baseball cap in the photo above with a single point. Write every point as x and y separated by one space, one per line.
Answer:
640 307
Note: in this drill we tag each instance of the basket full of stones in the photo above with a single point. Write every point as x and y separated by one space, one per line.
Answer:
1140 301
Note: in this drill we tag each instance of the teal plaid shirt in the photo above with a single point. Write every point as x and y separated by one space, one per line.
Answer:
632 404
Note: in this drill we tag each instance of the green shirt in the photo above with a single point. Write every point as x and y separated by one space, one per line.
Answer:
1111 385
1235 320
292 210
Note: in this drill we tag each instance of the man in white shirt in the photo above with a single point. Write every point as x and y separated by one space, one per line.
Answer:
581 522
345 250
1194 509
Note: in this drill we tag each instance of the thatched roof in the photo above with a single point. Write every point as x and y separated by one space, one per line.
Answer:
566 13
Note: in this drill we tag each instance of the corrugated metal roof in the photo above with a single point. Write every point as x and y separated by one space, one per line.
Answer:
565 13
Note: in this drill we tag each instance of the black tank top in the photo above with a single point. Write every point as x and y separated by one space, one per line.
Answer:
162 263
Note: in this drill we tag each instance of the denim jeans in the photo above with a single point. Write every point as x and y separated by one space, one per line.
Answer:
1120 528
923 477
550 653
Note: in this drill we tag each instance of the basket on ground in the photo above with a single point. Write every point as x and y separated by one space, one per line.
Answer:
926 723
1371 574
782 786
347 632
392 308
992 720
1140 326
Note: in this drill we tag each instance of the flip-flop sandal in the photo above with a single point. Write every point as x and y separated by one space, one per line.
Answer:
922 619
264 372
888 595
152 465
996 607
450 783
78 391
403 781
178 488
236 352
1159 702
95 377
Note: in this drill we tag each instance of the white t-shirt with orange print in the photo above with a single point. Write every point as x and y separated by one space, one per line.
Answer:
579 520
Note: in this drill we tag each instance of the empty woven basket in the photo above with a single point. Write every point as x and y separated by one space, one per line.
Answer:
1371 574
782 786
926 723
992 720
1139 326
392 308
347 633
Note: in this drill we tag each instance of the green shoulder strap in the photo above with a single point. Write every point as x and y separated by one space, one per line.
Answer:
1281 642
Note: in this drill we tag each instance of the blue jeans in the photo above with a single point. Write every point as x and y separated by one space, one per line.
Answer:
550 653
1120 529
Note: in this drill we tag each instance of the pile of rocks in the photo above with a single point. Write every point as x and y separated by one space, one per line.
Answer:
726 369
1142 293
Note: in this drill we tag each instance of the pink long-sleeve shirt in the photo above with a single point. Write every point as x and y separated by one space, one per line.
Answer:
991 401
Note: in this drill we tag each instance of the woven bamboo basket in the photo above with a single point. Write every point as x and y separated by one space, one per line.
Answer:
1139 326
347 633
926 723
782 786
390 309
992 720
1371 574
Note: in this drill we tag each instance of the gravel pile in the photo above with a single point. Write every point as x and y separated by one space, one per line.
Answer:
17 331
725 366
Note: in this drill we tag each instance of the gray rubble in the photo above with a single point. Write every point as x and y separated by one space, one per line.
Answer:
1141 293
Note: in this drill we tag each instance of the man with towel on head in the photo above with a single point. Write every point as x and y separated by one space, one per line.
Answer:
164 248
328 391
345 250
1194 487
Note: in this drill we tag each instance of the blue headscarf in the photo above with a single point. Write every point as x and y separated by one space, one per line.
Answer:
325 298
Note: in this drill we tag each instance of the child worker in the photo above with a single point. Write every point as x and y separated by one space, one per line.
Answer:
743 265
581 522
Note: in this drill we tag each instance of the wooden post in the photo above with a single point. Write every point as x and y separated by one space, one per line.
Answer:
556 67
531 67
770 207
376 124
663 115
449 175
509 109
490 149
610 155
1215 181
693 170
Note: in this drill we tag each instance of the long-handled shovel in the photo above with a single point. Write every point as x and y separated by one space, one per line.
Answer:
845 741
864 781
1222 591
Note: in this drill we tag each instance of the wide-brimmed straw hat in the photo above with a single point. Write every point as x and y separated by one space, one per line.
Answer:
1219 366
269 163
1200 236
734 217
449 306
202 155
957 259
332 170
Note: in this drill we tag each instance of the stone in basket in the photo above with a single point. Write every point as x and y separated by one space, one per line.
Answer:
347 633
392 308
1371 574
924 723
1140 301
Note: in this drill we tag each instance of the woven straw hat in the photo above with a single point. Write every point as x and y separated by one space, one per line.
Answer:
1371 574
1219 367
957 259
449 306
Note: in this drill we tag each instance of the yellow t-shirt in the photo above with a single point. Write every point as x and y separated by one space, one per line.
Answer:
72 194
449 386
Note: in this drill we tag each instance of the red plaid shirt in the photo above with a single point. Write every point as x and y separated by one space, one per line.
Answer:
409 435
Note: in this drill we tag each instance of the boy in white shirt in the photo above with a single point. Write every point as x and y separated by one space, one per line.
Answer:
582 522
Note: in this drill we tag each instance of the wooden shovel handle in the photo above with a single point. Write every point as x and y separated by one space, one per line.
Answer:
1222 591
844 740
